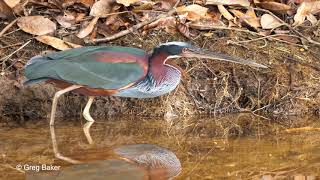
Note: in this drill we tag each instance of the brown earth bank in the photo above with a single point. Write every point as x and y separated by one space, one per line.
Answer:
289 87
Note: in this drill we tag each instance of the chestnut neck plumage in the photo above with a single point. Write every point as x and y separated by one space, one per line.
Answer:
159 68
161 79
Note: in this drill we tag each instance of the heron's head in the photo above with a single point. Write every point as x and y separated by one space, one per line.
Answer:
182 49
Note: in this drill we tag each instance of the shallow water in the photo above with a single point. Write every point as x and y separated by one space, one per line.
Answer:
233 147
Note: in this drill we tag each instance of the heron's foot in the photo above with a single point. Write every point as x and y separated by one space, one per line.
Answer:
86 130
67 159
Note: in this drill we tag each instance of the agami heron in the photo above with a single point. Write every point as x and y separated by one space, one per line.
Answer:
116 71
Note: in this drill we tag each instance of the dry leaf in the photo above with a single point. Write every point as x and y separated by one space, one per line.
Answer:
312 19
11 3
165 4
244 3
274 6
183 29
161 23
127 2
305 9
66 20
206 24
225 13
195 11
87 3
37 25
215 15
20 9
249 18
269 22
5 11
88 29
169 24
252 20
94 33
146 6
114 22
57 43
80 16
146 16
101 8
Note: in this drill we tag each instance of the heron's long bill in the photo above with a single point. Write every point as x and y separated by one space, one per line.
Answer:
199 53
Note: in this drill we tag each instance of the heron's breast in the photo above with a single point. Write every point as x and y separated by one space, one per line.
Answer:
152 87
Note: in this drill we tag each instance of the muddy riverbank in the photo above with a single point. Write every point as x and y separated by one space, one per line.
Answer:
289 87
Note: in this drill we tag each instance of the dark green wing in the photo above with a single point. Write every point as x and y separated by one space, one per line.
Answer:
96 67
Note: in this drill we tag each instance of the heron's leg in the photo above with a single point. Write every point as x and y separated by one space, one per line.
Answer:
86 130
87 116
56 151
86 111
55 101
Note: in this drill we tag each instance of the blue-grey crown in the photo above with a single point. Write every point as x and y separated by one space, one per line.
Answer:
172 48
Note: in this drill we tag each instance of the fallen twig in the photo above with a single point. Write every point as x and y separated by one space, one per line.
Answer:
11 32
4 59
10 45
4 30
133 28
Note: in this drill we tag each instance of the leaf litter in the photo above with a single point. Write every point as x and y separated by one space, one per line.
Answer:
107 18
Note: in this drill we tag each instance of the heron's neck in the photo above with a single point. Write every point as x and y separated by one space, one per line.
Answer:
157 67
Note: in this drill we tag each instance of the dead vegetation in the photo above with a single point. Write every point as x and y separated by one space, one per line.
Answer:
283 35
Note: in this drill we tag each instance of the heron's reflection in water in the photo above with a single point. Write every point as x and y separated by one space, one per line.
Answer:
135 161
159 162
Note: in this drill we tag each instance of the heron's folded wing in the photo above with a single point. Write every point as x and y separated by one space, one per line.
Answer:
106 67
